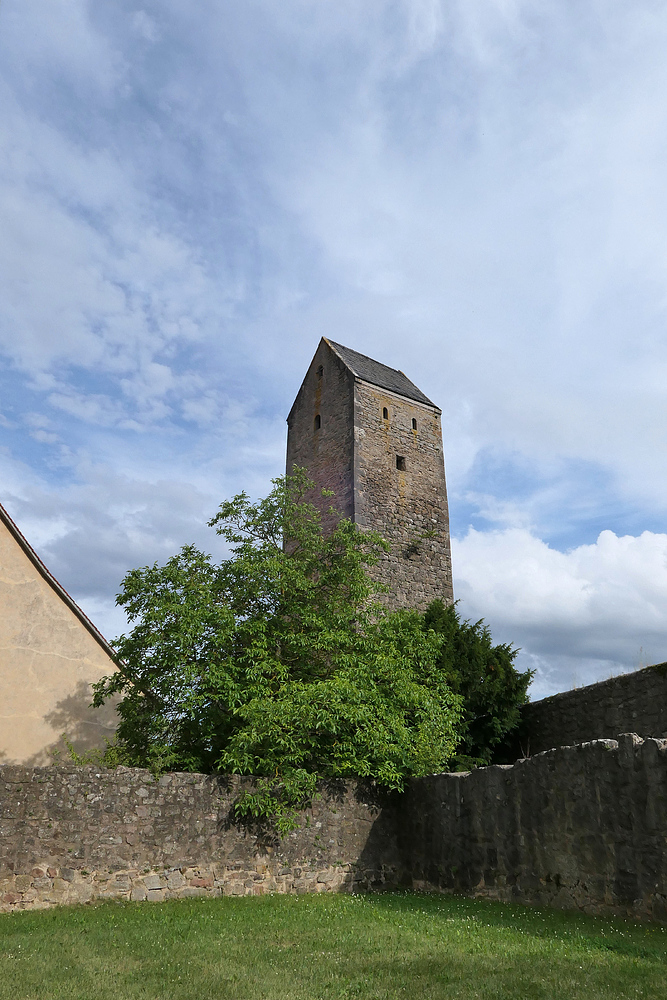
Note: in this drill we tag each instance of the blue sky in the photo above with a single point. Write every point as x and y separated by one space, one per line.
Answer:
472 191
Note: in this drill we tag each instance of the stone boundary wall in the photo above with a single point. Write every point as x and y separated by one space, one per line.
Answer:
577 827
635 702
74 834
582 827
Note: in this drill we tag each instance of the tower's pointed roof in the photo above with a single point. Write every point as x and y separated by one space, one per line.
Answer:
371 371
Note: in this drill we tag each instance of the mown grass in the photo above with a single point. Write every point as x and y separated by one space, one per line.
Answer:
307 947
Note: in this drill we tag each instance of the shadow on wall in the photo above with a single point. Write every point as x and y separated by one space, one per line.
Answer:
350 823
380 864
84 726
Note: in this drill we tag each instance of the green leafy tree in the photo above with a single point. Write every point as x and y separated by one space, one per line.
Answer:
278 662
484 675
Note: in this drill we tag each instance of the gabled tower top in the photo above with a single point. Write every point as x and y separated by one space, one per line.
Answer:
368 434
368 370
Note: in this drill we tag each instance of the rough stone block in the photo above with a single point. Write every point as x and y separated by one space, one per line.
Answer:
152 882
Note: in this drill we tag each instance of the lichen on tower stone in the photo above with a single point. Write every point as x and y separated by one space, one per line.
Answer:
368 434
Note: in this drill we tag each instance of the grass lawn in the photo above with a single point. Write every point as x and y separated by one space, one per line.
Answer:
386 946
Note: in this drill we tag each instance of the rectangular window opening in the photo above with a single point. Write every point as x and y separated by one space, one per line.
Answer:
400 463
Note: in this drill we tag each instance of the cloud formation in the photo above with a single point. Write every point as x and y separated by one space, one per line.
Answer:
473 192
595 610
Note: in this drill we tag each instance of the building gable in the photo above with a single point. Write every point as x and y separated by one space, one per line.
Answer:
50 656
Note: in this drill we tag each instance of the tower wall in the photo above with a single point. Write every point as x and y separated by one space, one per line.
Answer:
354 453
408 506
328 452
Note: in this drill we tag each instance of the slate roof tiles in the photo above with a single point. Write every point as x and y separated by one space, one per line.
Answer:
384 377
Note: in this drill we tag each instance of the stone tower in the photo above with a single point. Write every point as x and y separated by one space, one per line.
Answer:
367 433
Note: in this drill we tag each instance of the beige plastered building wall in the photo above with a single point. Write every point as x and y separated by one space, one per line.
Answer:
50 656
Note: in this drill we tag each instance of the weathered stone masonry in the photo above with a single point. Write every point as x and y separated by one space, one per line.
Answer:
408 507
365 432
578 827
327 452
72 834
634 702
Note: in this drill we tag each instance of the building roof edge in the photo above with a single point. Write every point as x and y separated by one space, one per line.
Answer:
48 576
367 369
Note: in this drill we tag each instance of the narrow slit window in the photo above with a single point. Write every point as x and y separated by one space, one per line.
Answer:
320 371
414 424
400 463
318 422
385 413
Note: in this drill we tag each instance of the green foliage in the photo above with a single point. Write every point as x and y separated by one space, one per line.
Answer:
277 662
110 755
492 689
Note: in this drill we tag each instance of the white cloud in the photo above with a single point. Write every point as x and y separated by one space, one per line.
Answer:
145 26
470 191
512 229
62 40
596 609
